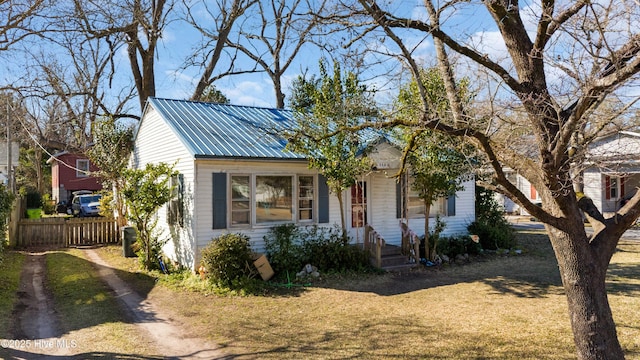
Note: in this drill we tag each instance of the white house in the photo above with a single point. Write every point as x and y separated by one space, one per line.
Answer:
613 174
524 186
237 176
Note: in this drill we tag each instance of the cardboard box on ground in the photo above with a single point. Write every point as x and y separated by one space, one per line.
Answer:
262 265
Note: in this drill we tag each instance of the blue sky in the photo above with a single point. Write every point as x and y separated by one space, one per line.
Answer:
257 90
471 23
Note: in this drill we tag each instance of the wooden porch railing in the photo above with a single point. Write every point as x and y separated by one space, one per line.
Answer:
410 243
373 243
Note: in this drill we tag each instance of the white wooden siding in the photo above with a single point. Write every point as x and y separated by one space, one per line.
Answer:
156 143
456 225
593 187
204 199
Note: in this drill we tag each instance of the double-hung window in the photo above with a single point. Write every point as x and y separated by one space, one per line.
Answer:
614 187
416 207
305 198
175 207
240 200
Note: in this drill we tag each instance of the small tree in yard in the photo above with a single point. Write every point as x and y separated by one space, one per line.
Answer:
437 171
145 191
322 107
438 163
110 152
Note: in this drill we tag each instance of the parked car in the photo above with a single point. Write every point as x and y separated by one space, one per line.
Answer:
86 205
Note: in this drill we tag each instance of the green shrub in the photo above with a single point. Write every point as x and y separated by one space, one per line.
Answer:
452 246
6 202
494 230
227 260
493 236
48 205
329 250
434 235
155 253
289 248
284 250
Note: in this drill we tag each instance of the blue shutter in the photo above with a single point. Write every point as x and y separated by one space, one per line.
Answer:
180 201
399 197
451 205
323 200
219 200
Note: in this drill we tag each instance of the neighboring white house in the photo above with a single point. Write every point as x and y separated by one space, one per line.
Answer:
524 186
611 174
236 176
614 172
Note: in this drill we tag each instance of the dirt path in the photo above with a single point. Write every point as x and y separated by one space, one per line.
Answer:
168 336
35 319
34 316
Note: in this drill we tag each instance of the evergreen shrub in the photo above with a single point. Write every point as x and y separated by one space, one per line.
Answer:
491 226
290 247
228 259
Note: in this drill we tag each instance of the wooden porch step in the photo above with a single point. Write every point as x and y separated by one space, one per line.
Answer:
400 268
393 260
390 250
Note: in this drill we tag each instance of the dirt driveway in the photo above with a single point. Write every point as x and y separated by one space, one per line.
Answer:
36 333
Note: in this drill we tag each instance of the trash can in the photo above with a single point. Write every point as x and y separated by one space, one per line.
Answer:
128 238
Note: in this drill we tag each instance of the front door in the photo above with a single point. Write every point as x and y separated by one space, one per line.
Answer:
358 209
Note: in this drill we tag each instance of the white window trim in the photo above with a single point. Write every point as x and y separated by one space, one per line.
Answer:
252 201
443 200
618 187
80 172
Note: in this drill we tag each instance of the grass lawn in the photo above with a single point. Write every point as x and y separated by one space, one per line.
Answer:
10 269
502 308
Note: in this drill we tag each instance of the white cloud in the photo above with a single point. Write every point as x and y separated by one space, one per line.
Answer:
490 43
249 93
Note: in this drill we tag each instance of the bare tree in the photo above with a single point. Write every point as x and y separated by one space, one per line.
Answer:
140 23
70 87
276 40
17 21
564 60
215 27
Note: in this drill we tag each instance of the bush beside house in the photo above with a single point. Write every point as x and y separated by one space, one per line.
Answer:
490 225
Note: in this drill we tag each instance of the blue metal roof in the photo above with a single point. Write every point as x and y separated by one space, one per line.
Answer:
219 130
211 130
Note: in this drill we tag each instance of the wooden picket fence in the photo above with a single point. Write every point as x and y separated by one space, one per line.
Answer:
63 232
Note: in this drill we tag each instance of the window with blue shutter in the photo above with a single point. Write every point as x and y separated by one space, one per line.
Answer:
451 206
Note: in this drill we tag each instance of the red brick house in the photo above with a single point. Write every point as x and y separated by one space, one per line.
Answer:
71 172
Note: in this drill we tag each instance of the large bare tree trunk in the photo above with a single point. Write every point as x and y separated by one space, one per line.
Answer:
583 277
